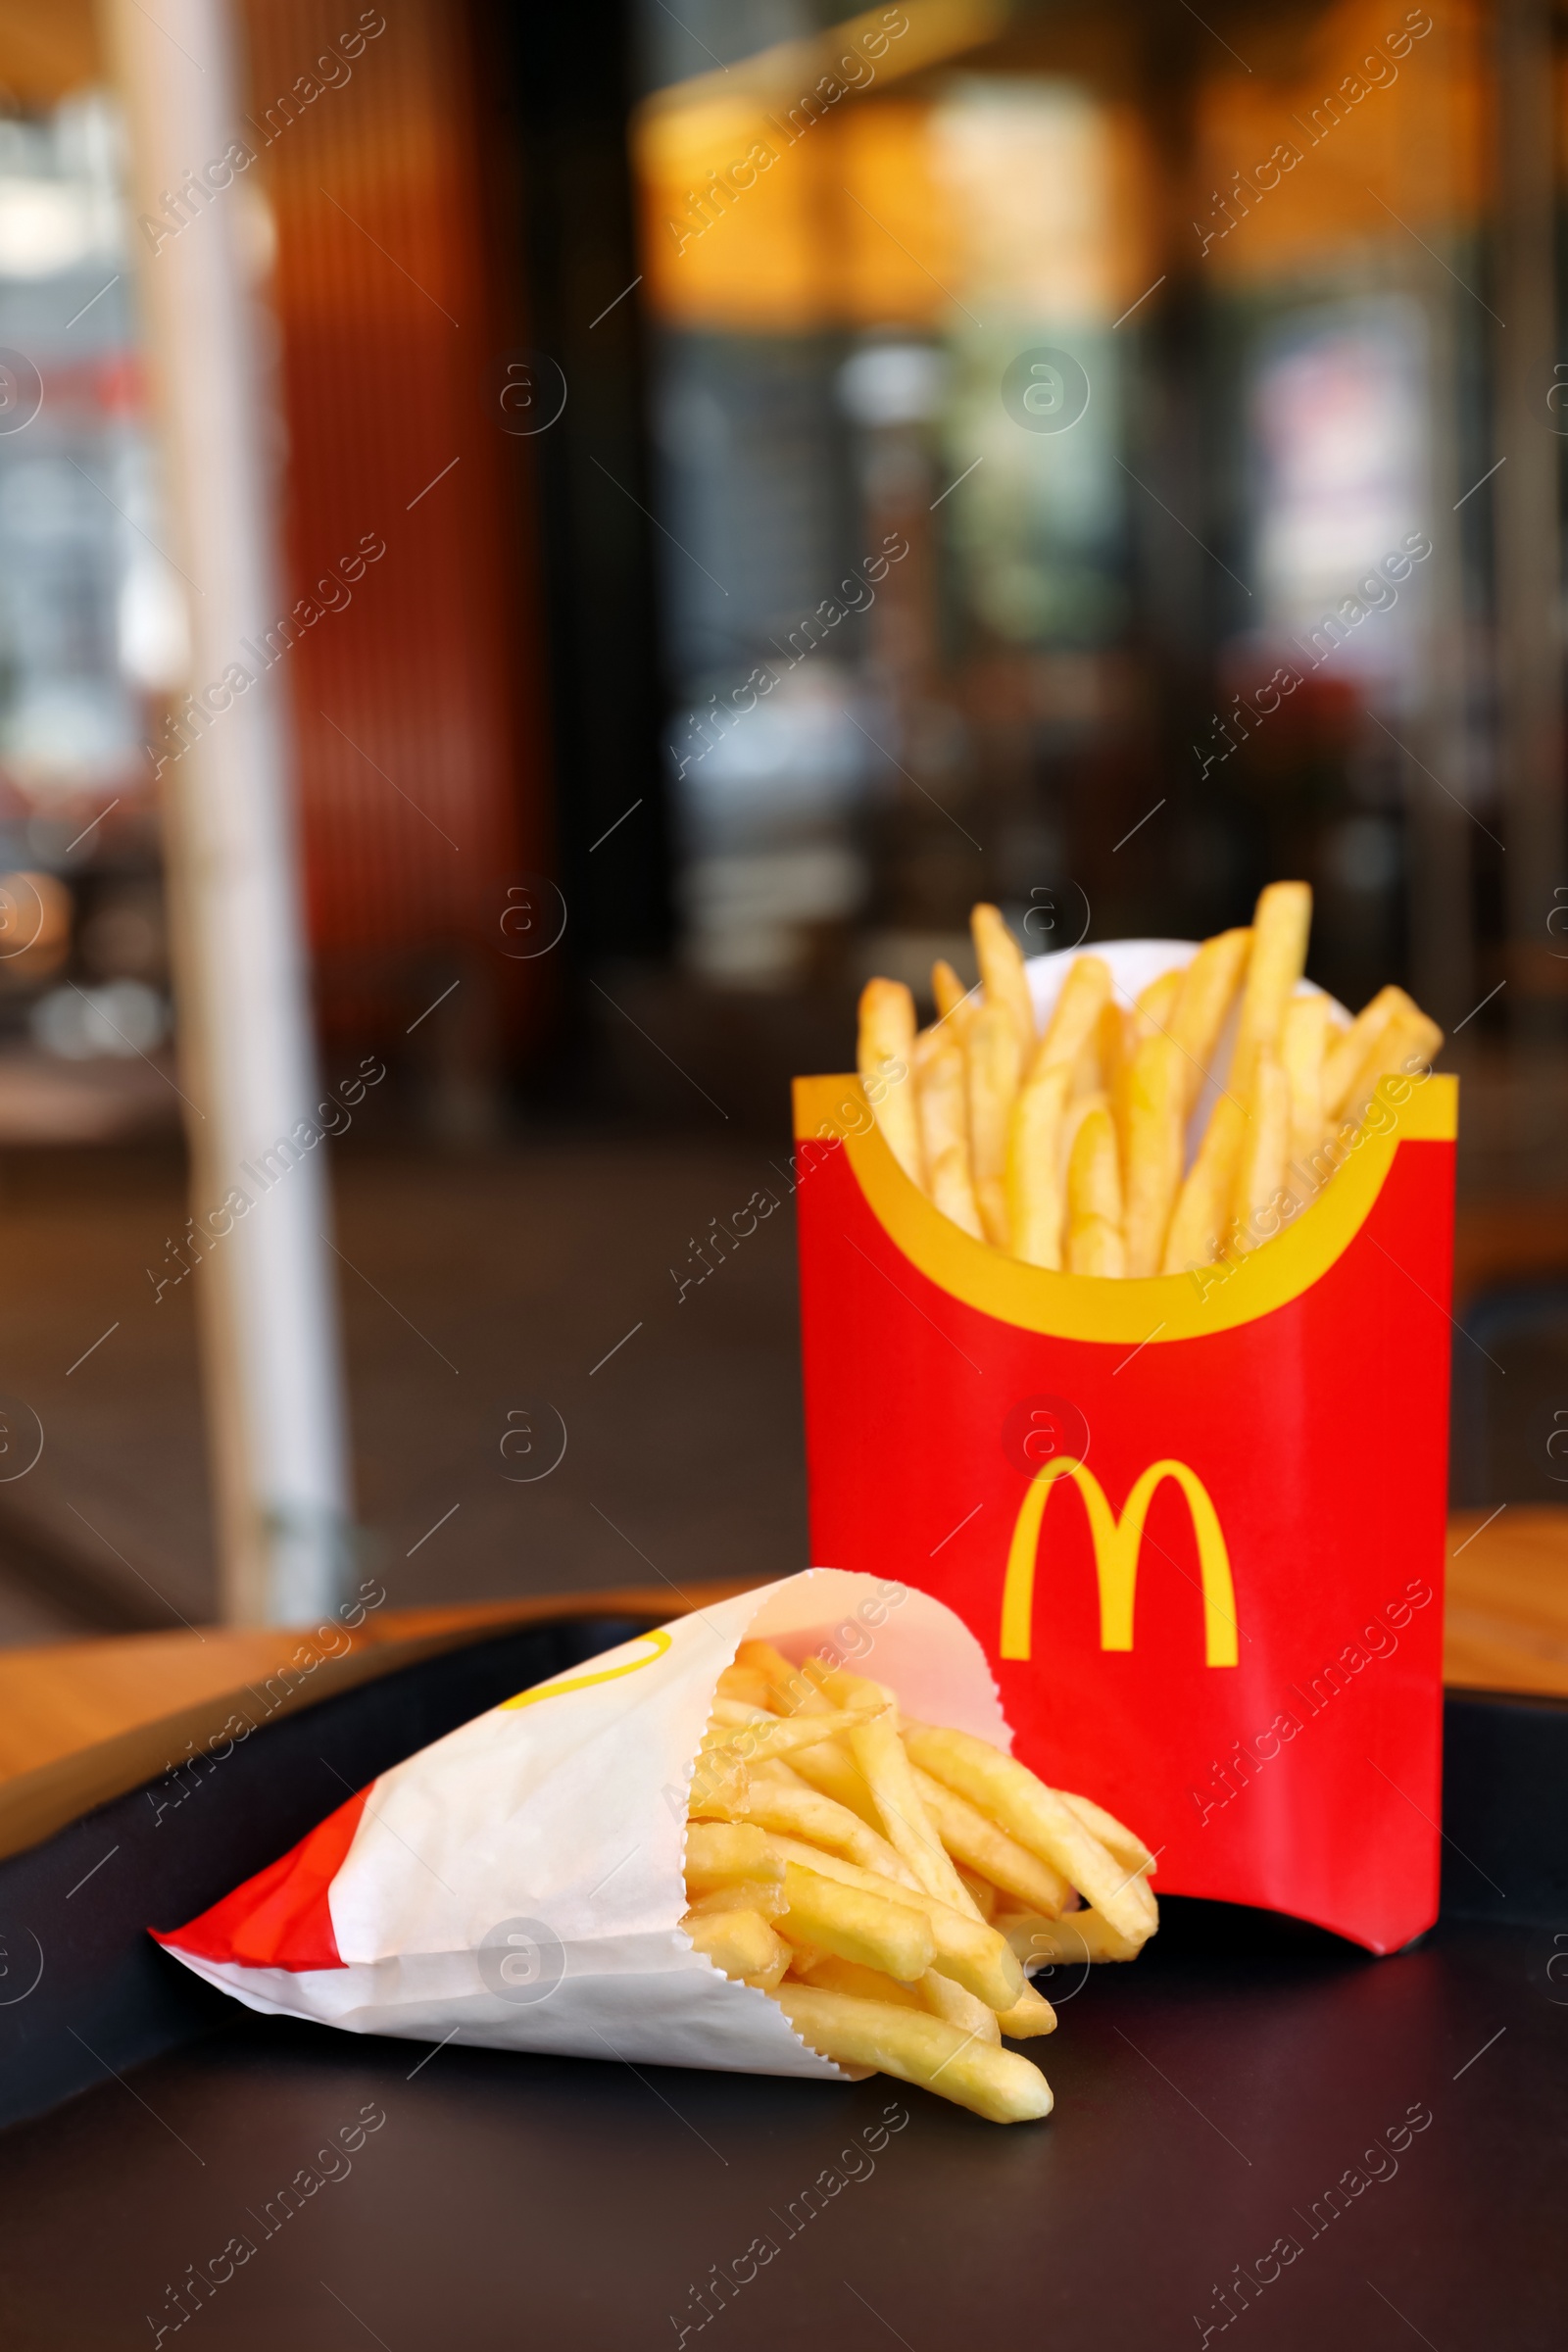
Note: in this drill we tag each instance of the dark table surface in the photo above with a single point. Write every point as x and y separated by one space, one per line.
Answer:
1208 2099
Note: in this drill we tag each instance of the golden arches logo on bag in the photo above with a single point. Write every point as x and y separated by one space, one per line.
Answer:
659 1641
1119 1541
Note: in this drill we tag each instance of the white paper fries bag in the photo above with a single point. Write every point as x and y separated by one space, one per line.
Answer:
520 1883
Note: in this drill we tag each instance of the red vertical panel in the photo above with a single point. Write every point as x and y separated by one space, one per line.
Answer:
417 701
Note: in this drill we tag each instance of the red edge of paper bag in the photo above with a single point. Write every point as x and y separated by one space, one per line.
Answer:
280 1918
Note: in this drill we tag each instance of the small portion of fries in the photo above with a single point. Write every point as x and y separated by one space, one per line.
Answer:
1068 1150
880 1879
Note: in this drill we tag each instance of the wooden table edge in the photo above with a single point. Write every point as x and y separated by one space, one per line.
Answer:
35 1804
1507 1636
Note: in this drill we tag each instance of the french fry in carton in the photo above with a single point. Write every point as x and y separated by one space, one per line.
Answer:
1194 1517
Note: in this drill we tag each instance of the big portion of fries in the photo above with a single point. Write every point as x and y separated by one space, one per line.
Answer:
1067 1148
880 1877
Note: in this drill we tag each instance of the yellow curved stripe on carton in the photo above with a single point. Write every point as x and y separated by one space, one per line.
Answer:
1117 1544
582 1682
1128 1313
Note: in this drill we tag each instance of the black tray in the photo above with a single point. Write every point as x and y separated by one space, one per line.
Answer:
1258 2129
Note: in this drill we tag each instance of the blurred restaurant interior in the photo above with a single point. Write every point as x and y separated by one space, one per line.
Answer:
748 484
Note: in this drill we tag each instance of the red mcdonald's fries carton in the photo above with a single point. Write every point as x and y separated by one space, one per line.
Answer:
1196 1521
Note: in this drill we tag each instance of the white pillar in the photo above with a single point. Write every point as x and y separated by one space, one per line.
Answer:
264 1288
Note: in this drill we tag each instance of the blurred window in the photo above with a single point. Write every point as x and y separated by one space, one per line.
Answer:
90 616
92 627
1156 357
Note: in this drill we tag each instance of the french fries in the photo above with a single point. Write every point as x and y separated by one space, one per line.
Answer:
1354 1045
1077 1936
896 2041
729 1854
763 1895
989 1853
897 1929
742 1943
747 1685
1403 1041
868 1929
1031 2014
832 1974
1202 1220
1156 1102
1071 1150
830 1767
1155 1004
944 1998
993 1053
1277 962
1303 1045
885 1059
1034 1815
768 1736
1085 992
955 1004
942 1101
1264 1146
1095 1242
1207 991
806 1813
890 1777
1036 1194
1114 1834
969 1951
985 1897
1001 973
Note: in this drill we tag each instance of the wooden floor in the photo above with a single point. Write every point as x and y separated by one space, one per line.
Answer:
469 1286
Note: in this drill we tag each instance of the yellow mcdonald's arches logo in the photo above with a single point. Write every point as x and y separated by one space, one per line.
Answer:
607 1674
1117 1544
